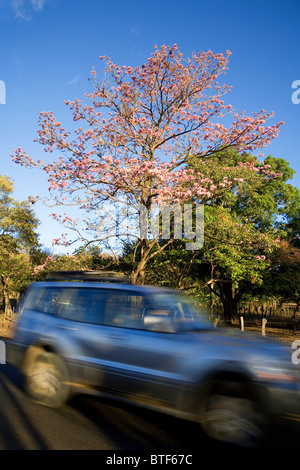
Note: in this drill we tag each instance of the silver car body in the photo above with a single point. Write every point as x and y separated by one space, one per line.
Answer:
150 346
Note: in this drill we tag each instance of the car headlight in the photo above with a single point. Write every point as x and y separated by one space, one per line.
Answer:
276 374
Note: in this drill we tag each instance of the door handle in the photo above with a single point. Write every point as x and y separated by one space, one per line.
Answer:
122 338
60 327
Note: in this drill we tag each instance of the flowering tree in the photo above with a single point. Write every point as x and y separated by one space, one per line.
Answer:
139 129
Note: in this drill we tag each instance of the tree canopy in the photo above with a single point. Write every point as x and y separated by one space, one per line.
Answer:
18 237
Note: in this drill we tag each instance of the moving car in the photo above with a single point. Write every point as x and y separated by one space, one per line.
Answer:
153 347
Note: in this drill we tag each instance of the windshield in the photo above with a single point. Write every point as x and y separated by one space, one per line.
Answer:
179 308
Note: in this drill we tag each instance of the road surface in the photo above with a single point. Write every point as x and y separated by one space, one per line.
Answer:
88 423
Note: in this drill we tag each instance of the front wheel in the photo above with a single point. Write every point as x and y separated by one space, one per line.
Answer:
231 414
46 380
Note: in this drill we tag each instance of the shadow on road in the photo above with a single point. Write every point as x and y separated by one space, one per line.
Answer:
102 424
17 430
131 427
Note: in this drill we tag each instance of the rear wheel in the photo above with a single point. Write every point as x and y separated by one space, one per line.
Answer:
230 413
46 380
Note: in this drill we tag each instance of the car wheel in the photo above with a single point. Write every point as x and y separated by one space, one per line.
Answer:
231 414
46 380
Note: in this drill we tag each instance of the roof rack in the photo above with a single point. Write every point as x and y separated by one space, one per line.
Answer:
90 276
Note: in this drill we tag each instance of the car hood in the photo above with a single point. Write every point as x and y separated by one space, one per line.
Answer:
242 345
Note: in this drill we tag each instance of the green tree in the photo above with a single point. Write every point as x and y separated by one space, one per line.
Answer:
282 280
17 237
243 225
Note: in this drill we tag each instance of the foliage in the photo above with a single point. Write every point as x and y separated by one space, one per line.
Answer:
283 279
244 228
17 238
17 220
83 260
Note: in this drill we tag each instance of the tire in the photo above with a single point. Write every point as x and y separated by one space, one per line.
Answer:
231 414
46 380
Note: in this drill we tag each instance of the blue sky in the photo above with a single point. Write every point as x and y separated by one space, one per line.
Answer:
49 47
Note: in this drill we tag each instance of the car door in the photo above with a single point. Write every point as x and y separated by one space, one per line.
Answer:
137 360
113 345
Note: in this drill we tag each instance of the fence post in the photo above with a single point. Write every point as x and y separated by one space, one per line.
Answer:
264 322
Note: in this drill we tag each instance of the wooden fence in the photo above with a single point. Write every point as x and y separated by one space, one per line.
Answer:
271 310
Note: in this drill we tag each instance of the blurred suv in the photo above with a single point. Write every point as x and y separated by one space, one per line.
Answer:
153 347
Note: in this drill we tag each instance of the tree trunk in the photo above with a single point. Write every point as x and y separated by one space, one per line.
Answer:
7 306
229 301
138 272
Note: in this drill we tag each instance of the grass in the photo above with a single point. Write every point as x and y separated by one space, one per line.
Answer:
6 331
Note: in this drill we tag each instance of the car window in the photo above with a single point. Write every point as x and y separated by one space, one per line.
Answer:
172 312
85 304
116 307
124 309
43 300
176 306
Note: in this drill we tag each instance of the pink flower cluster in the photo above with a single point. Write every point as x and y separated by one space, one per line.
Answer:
39 268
